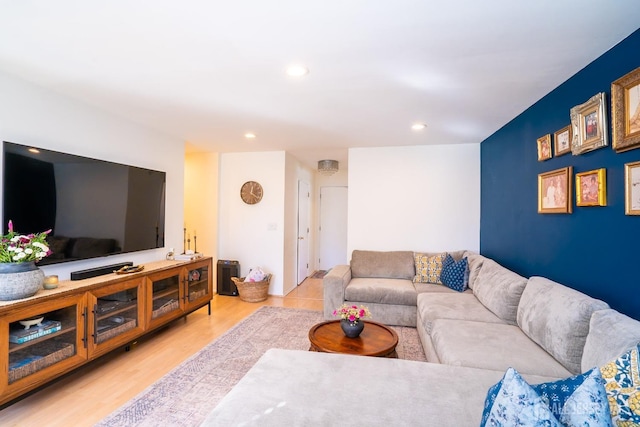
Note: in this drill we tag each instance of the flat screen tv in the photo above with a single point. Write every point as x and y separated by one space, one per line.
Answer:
94 208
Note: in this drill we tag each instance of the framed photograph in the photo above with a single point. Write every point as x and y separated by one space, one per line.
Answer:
554 191
625 111
589 125
562 141
544 148
591 188
632 188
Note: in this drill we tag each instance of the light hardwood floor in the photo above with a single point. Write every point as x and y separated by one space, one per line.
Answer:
92 392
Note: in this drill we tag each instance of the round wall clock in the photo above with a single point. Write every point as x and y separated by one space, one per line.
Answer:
251 192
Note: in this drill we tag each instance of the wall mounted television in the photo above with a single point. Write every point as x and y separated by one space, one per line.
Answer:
94 207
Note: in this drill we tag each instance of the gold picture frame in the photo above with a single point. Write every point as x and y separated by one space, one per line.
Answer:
544 148
632 188
562 141
591 188
554 191
589 124
625 111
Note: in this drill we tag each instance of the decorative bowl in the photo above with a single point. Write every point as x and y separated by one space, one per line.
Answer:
27 323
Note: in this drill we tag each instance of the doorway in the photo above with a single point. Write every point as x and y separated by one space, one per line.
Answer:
303 231
333 227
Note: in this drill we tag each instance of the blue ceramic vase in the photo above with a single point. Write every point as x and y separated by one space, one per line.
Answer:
351 330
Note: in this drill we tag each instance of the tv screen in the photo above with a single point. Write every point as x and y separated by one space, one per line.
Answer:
93 207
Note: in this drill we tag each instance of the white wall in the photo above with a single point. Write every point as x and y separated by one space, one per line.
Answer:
31 115
253 234
419 198
264 234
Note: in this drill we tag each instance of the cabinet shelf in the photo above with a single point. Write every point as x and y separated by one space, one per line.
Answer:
107 309
13 347
35 358
165 293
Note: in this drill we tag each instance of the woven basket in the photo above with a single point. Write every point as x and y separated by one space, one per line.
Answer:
252 291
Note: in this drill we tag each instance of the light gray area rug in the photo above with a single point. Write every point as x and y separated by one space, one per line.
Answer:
188 393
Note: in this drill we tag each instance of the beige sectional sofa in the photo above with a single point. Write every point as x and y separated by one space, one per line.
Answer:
541 328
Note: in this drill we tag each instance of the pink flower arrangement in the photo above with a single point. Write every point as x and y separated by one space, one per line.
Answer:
15 247
352 313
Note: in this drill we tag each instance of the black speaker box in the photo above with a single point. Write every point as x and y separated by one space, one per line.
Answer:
226 270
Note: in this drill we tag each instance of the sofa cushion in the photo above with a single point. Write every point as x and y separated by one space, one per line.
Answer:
390 265
499 289
464 306
557 318
475 262
580 400
610 334
382 291
433 288
513 402
622 377
428 267
455 274
301 388
491 346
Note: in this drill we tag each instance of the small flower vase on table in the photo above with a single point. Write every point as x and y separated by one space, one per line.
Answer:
352 330
351 319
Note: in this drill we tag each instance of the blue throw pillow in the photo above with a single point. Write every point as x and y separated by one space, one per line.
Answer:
578 401
571 402
454 275
512 402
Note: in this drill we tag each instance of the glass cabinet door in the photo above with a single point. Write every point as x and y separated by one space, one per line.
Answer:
116 315
197 282
42 339
164 295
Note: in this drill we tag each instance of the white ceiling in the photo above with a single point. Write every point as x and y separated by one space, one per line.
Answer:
207 72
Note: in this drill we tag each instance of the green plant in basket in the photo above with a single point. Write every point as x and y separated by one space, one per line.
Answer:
16 247
352 313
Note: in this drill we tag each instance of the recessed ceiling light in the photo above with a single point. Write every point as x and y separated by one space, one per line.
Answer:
297 70
250 135
418 126
33 150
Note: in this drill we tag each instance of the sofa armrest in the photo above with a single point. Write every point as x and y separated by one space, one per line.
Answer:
334 284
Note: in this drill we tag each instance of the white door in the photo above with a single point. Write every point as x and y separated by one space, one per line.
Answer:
303 230
333 227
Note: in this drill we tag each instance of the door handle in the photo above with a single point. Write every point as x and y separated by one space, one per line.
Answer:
300 238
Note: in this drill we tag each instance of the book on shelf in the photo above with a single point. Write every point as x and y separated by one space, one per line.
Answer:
188 257
19 335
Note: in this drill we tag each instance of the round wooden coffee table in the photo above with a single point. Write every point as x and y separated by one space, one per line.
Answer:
375 340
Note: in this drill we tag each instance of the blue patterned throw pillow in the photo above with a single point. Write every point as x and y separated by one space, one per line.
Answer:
578 401
454 275
622 383
512 402
571 402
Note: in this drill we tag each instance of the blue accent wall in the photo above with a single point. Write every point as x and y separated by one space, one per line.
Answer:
595 250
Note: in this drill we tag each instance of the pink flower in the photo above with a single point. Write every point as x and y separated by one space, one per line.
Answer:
10 226
352 318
